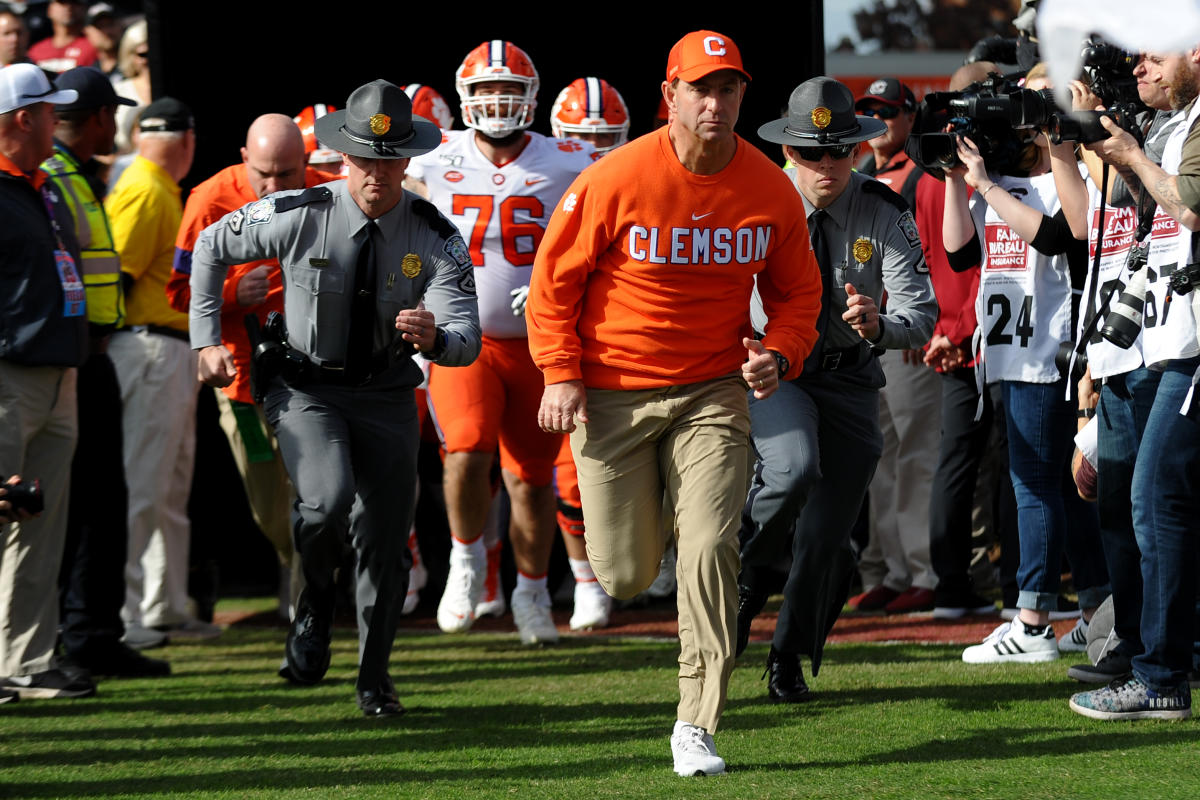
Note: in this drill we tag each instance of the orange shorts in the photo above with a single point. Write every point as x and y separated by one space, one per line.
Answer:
494 402
566 480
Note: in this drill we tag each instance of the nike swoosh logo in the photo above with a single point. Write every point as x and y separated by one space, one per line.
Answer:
702 216
532 181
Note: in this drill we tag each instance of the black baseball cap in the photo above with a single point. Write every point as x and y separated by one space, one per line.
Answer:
94 90
890 92
166 114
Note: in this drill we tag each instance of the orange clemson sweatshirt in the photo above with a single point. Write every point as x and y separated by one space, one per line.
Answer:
644 276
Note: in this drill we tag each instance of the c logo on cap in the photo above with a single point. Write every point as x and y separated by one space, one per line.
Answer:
714 45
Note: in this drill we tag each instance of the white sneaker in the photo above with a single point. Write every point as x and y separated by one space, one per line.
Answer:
1010 643
531 612
139 637
592 606
418 576
664 584
1076 640
464 585
492 601
694 752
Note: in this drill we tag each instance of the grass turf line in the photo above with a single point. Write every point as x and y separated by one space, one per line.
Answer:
587 718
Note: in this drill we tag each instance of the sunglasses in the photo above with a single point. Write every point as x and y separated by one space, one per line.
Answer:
835 151
883 112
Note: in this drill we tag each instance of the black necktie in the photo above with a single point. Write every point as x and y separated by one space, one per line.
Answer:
818 237
360 345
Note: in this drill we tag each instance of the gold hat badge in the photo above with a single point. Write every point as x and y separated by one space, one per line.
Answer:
410 265
380 124
821 117
862 250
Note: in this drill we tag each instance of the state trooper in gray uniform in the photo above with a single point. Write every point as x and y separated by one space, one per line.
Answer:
370 273
817 437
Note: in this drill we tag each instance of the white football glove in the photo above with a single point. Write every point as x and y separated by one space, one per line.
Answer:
519 296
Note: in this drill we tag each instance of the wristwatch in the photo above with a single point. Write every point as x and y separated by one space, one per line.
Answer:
781 363
1085 413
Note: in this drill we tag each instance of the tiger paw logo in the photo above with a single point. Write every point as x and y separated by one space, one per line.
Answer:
821 117
380 124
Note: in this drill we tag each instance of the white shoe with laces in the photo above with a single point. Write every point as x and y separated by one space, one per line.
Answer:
1010 643
1076 640
592 606
694 752
491 601
464 585
531 612
418 576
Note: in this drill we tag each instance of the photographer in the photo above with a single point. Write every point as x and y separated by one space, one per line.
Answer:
1166 474
1126 387
1024 309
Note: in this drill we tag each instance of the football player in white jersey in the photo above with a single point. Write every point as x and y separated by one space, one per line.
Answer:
498 183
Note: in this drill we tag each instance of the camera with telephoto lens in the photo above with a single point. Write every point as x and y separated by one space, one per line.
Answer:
1109 72
1123 322
23 495
992 113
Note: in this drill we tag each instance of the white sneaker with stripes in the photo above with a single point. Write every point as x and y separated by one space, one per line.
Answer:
1076 640
1011 643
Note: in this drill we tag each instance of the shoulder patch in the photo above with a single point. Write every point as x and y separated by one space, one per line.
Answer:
456 249
235 220
884 191
312 195
428 212
466 282
908 227
260 212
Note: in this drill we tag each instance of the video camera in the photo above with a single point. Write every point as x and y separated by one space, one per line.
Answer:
991 112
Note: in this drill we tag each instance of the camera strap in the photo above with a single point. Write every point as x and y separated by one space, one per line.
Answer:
1090 326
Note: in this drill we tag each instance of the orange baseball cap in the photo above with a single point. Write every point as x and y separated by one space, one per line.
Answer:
702 52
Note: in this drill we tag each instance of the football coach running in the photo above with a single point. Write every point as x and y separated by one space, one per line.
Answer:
638 318
361 259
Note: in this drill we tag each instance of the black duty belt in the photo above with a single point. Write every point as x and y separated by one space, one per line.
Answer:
334 374
844 358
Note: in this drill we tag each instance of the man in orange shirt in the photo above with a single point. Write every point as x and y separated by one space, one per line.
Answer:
639 320
273 160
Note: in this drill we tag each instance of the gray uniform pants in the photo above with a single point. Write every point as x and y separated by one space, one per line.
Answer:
352 455
818 441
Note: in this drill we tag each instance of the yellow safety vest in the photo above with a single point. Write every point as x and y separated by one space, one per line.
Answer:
101 266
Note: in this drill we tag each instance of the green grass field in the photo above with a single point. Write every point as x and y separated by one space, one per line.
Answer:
589 718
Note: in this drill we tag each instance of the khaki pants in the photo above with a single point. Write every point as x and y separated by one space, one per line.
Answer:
38 429
672 461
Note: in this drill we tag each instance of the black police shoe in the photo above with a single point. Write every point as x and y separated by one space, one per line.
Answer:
750 605
786 682
307 651
121 661
381 701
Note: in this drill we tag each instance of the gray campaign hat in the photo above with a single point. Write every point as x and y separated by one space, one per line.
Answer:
821 113
378 123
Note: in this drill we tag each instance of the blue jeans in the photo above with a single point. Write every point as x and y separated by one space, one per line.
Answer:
1050 515
1166 522
1125 404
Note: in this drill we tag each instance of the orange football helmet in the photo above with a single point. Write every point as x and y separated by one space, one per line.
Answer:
590 105
429 103
307 120
497 115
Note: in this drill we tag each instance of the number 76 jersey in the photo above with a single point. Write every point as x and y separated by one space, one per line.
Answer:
501 212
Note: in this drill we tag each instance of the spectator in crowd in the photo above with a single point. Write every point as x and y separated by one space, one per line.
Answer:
67 47
133 60
43 316
103 30
895 566
93 569
642 360
157 371
272 161
818 438
14 38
